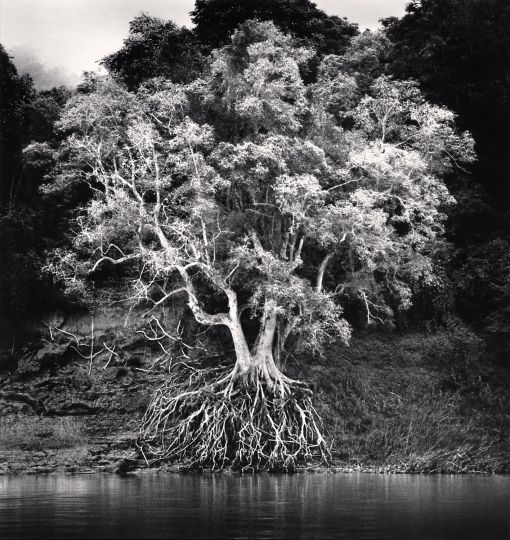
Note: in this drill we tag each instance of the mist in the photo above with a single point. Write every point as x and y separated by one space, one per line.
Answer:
44 76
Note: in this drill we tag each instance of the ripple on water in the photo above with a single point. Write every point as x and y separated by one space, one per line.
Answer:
353 506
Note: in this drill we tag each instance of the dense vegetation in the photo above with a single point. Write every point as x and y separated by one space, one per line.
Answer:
459 51
290 181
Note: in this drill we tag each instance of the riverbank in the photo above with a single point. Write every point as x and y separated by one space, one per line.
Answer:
420 403
417 403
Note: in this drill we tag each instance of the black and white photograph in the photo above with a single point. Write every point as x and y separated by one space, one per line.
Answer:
255 269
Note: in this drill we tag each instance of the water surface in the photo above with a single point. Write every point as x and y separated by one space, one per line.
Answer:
353 506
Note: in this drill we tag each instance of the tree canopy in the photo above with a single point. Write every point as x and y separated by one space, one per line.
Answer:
216 20
156 48
16 93
459 50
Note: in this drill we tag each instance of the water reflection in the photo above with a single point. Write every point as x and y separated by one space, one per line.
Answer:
263 506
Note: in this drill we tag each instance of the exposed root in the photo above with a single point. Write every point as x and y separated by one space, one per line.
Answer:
211 418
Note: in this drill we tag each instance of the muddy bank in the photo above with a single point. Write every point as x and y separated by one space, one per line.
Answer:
414 404
68 405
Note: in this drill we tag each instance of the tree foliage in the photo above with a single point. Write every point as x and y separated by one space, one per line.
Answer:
16 94
216 21
459 50
156 48
27 227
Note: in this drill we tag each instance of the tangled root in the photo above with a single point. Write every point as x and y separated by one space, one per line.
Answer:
206 418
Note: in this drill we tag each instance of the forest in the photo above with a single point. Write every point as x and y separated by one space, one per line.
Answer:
307 225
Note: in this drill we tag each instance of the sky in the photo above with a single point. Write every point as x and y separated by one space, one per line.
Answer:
56 40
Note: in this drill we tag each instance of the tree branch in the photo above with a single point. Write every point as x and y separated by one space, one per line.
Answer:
113 261
200 315
322 269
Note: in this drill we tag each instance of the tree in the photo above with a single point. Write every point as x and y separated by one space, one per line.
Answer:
459 51
216 20
255 220
366 58
156 48
25 226
16 94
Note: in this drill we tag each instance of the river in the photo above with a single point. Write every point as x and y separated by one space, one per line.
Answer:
353 506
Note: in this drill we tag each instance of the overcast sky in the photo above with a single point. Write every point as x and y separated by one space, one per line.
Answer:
66 37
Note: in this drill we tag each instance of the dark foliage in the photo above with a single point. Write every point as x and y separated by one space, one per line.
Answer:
216 20
21 287
16 93
459 50
156 48
28 225
482 286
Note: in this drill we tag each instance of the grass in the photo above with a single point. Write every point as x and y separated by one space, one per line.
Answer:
416 403
34 433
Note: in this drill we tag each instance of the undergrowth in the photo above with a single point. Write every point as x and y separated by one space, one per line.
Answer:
34 433
417 403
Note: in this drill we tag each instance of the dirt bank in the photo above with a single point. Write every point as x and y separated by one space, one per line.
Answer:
415 403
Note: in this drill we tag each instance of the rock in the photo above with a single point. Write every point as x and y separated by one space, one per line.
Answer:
29 364
78 409
126 465
51 351
55 382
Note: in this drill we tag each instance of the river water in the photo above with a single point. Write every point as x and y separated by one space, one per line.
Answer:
255 506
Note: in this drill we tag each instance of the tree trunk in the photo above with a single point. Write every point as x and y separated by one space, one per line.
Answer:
257 365
274 431
322 269
284 329
243 354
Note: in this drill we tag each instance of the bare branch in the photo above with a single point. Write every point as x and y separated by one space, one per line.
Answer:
114 261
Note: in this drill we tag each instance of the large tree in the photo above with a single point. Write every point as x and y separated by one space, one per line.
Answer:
255 217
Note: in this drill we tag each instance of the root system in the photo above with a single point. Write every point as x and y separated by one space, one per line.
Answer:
211 418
